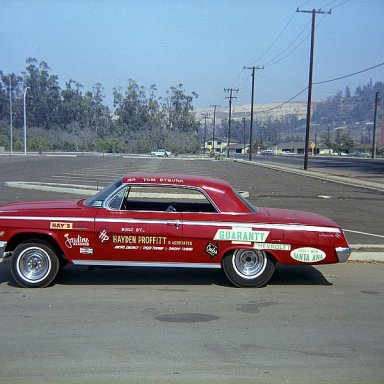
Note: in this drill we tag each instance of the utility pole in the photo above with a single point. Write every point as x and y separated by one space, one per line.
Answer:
230 97
377 100
244 134
205 116
214 126
10 114
309 100
252 98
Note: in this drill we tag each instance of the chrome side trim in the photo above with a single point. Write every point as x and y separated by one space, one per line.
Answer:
145 264
343 254
285 227
49 218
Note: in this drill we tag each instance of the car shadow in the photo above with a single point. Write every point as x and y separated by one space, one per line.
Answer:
284 275
74 275
298 275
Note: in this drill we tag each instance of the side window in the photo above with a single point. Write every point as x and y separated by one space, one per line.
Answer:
165 199
117 201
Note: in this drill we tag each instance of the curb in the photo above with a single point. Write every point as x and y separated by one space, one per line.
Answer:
316 175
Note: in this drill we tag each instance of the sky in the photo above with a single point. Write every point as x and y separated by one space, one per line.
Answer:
202 44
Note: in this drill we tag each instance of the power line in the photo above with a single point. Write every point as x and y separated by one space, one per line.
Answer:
289 46
327 5
339 5
272 62
351 74
285 102
277 38
322 82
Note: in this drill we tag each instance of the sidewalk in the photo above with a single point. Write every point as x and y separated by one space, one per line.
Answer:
317 174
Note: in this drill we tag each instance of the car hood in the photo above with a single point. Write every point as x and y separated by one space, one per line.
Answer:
288 216
40 206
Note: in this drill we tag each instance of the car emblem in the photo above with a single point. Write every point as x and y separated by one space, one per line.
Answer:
104 236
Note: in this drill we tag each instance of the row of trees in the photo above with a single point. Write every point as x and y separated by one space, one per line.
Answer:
70 118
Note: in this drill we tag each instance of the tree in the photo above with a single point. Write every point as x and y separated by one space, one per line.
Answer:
341 143
180 107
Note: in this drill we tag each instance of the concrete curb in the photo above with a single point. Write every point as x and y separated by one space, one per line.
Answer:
367 253
317 175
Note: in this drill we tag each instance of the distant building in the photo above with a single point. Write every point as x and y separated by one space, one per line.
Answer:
218 145
237 148
215 144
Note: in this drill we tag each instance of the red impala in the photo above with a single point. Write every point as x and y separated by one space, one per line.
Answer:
164 220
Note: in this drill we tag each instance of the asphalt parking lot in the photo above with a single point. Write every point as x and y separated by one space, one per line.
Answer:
322 324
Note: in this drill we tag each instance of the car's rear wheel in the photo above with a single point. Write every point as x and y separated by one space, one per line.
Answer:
248 267
34 264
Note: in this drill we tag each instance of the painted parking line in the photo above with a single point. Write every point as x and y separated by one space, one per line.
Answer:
363 233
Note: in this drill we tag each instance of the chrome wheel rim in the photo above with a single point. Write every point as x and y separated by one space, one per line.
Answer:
34 265
249 263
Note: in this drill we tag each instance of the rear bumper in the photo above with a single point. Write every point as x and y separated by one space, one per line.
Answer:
343 254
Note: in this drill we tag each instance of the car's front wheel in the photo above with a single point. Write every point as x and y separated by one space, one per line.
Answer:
34 264
248 267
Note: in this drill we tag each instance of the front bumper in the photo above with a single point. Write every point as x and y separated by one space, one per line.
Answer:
343 254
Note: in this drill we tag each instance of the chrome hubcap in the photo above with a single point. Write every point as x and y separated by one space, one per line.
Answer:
34 264
249 263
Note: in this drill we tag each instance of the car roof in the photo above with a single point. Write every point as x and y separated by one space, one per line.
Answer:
219 190
175 179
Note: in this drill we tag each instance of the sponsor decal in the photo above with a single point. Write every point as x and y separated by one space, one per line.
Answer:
60 225
76 241
180 242
152 248
273 246
326 235
162 180
130 229
308 255
86 251
104 236
151 240
241 235
179 249
127 247
212 249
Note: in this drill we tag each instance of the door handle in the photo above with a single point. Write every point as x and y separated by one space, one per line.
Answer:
174 223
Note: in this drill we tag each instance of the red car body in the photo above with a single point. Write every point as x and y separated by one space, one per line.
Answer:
164 220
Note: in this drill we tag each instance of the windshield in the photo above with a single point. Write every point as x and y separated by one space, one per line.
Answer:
100 197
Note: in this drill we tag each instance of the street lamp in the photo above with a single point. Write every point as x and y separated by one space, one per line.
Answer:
10 114
25 122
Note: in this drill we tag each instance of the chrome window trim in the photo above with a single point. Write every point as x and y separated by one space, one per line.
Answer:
197 189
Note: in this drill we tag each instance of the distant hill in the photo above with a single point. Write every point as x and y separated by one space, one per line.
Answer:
262 112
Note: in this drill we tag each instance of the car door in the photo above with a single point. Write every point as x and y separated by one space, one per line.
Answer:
141 231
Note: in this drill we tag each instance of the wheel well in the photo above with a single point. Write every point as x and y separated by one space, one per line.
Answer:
35 237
